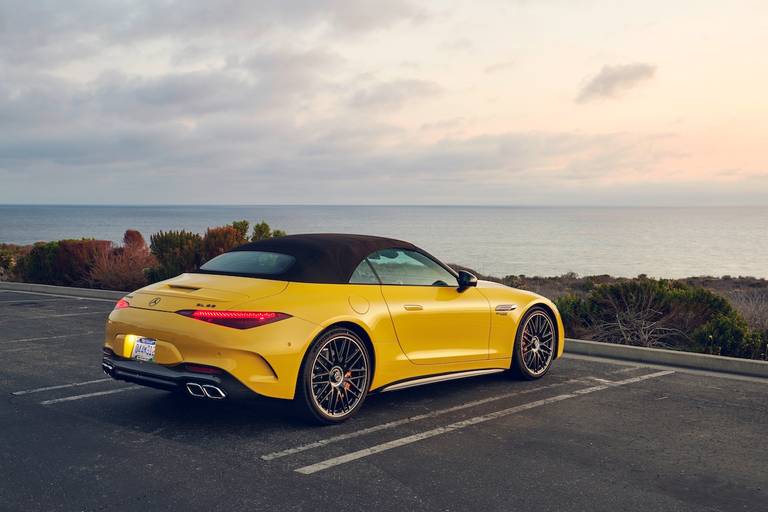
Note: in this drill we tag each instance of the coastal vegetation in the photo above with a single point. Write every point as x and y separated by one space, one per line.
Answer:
714 315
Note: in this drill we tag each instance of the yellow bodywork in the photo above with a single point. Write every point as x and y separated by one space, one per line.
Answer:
413 330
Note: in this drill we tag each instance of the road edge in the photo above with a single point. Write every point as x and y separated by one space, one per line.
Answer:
87 293
692 360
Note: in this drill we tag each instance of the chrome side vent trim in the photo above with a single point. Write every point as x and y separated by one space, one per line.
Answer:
503 309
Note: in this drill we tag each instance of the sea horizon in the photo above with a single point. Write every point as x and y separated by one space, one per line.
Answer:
498 240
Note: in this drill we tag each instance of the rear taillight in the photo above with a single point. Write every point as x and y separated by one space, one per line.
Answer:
122 304
235 319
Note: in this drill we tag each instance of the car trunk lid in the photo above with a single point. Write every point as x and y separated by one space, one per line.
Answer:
203 291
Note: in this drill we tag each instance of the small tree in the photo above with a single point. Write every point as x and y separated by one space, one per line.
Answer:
242 228
220 240
176 252
262 231
124 268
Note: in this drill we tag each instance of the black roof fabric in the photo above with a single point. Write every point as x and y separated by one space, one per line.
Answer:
326 257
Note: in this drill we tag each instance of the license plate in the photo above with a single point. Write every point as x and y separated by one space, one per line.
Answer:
144 349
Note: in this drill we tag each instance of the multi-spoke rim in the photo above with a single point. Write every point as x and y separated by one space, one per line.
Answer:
339 375
537 342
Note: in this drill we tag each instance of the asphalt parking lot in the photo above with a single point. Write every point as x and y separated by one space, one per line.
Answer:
592 435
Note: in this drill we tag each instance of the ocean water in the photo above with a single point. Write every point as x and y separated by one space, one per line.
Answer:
660 242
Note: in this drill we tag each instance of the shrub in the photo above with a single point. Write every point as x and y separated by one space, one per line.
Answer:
242 229
124 268
75 259
651 313
176 252
133 238
9 256
38 265
262 231
64 263
219 240
727 336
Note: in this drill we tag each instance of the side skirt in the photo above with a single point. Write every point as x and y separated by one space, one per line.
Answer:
421 381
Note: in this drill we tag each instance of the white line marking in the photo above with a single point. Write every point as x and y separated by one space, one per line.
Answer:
29 300
626 370
88 395
60 386
604 381
72 297
404 421
349 457
73 314
20 340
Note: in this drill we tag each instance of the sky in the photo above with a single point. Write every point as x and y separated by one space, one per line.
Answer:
511 102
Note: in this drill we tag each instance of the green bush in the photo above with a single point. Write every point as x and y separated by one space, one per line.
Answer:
176 252
38 265
9 256
64 263
659 313
262 231
242 229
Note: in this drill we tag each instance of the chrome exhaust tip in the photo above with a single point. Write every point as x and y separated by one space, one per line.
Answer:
195 390
214 392
107 368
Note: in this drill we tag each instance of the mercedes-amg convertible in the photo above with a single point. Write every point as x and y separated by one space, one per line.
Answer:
325 319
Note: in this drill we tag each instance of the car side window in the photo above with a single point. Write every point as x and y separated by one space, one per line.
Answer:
364 274
403 267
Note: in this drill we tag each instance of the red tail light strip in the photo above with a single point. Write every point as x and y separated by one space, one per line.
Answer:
122 304
235 319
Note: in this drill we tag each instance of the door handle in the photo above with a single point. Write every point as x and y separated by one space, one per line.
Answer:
413 307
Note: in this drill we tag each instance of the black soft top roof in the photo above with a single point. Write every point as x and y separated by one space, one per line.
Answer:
324 257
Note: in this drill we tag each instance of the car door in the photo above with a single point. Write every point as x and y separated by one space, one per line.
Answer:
434 321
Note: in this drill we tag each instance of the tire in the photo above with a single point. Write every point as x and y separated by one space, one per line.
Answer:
334 378
535 345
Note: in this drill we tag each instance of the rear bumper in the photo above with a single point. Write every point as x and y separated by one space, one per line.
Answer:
169 377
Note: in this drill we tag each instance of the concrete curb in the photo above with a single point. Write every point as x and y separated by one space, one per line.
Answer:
659 356
62 290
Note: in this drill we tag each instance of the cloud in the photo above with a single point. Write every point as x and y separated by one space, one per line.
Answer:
613 80
393 94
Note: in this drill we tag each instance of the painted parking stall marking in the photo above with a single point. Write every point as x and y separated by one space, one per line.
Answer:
45 338
411 419
90 395
59 386
403 441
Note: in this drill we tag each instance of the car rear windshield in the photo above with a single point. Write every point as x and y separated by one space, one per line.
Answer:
249 263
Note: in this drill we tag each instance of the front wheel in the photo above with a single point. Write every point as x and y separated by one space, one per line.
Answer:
534 345
334 378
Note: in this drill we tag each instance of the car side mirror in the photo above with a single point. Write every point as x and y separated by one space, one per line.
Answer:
466 280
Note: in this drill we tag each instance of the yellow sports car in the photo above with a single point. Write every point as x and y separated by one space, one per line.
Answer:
325 319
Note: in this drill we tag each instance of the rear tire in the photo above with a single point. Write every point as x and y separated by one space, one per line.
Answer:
535 344
334 378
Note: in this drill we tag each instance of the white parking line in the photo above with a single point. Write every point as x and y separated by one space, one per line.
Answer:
29 300
60 386
42 338
626 370
75 314
72 297
349 457
411 419
88 395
